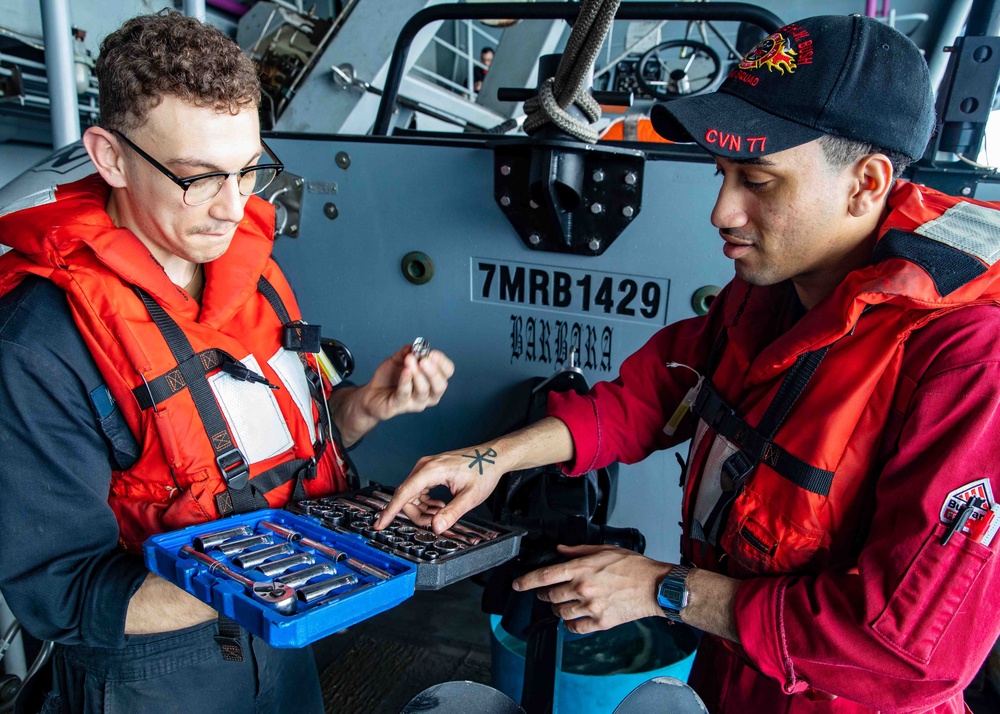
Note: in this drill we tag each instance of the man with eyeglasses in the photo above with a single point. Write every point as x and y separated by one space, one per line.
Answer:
155 373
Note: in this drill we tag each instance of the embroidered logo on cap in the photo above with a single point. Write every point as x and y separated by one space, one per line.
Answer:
735 142
957 499
772 52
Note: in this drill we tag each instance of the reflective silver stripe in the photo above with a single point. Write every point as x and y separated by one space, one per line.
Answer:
37 198
630 127
972 229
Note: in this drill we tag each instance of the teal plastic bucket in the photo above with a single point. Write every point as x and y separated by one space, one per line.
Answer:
600 670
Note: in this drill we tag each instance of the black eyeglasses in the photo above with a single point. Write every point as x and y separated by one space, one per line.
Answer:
204 187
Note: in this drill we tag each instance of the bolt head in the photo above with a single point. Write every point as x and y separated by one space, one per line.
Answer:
628 211
505 201
598 176
594 244
534 239
596 208
293 228
966 191
505 170
631 178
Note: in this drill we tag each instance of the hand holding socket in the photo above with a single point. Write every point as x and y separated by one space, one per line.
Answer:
461 526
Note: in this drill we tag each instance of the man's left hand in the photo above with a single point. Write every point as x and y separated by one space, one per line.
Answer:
601 587
403 384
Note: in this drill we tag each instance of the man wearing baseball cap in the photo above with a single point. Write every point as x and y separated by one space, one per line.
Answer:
842 397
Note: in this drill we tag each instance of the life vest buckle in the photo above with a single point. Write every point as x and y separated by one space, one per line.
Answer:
734 471
234 469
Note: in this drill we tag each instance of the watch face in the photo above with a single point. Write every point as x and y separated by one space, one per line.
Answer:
671 594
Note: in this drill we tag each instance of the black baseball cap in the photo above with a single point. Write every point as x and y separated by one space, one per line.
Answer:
846 75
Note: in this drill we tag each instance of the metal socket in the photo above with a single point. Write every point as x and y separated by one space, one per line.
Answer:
312 593
294 580
255 557
446 546
232 547
277 567
407 532
367 569
210 540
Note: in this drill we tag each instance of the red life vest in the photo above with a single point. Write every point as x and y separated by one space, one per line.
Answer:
211 444
800 468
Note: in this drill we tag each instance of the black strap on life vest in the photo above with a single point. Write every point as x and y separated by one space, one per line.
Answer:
316 389
271 295
242 494
949 267
756 444
159 389
313 379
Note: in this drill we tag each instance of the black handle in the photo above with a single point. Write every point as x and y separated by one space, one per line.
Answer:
684 11
519 94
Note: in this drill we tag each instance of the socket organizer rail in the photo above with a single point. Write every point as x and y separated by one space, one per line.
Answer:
282 576
469 547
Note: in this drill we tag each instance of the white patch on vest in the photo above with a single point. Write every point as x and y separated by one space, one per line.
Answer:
970 228
289 370
710 488
253 415
956 500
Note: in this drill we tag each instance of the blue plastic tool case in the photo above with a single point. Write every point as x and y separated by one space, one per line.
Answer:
311 621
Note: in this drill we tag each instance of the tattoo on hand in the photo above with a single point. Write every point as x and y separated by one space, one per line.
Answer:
478 459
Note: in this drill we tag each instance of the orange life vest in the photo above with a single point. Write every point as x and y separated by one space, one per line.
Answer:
780 473
211 443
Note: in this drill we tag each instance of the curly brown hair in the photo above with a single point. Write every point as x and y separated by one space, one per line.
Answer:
152 56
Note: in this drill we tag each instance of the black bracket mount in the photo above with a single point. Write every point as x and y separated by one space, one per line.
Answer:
567 197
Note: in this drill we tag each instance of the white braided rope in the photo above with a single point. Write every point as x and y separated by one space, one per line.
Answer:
569 85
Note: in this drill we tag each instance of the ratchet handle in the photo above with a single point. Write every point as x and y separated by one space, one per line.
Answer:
214 566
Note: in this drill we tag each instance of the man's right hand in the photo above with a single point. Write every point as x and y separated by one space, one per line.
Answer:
473 473
470 474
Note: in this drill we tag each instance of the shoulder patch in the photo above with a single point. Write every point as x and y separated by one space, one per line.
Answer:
957 499
970 228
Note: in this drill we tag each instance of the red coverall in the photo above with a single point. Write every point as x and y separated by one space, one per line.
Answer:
899 623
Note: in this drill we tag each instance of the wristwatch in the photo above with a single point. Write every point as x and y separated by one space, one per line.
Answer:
672 592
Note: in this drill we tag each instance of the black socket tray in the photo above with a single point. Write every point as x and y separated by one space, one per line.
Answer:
336 513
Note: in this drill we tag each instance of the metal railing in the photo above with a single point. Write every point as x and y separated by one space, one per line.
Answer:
688 11
463 56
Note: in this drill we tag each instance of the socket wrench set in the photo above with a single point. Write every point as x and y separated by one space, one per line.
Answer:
281 576
469 547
